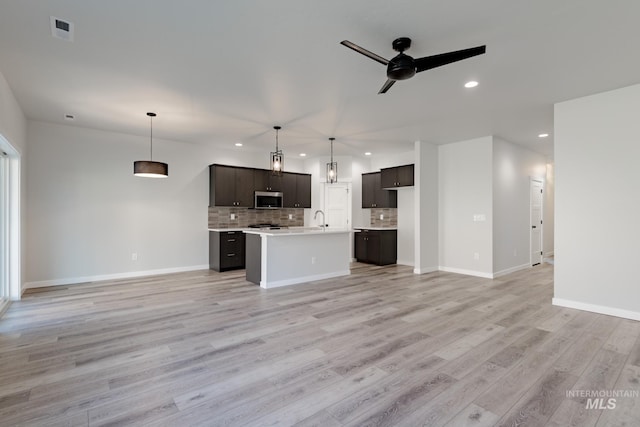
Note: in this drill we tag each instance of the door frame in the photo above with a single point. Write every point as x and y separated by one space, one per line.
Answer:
531 183
10 206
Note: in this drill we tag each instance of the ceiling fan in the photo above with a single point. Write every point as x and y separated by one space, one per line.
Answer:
402 67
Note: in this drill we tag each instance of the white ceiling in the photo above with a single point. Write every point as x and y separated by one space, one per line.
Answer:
220 72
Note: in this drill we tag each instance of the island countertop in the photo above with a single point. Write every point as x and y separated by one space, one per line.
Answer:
297 231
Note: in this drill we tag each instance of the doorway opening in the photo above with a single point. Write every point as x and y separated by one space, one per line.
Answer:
536 221
9 224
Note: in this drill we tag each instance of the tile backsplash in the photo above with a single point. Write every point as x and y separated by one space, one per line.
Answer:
220 217
390 217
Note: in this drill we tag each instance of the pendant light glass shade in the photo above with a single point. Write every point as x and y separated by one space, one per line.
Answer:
332 167
277 158
149 168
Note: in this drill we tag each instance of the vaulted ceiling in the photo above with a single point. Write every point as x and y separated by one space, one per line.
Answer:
221 72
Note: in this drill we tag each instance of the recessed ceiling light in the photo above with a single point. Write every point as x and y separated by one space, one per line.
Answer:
367 153
303 154
471 84
543 135
238 144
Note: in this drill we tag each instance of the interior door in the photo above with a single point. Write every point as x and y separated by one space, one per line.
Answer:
337 205
536 222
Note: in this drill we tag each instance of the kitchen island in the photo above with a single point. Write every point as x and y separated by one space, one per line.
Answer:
297 255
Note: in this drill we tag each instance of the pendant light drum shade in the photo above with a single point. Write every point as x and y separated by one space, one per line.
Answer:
149 168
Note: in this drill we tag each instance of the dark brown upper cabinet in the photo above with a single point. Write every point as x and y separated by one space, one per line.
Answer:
399 176
230 186
296 190
373 195
265 180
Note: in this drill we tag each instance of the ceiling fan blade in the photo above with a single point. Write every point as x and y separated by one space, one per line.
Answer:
386 86
364 51
429 62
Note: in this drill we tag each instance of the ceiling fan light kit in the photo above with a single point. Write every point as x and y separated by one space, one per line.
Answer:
149 168
403 67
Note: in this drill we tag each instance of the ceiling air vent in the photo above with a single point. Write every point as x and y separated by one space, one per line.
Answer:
61 29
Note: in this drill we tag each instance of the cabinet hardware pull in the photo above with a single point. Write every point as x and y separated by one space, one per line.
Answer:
231 240
231 254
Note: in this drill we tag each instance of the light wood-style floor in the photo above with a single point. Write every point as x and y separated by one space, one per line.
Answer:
380 347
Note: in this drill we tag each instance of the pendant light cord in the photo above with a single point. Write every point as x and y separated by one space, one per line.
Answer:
277 140
331 141
151 137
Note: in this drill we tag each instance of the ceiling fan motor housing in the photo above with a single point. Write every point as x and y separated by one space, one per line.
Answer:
401 67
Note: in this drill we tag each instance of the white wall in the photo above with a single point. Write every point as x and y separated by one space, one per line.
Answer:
13 128
13 125
465 190
548 240
361 217
406 206
87 213
513 167
426 207
597 152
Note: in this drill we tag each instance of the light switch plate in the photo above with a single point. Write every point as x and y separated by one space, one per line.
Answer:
233 216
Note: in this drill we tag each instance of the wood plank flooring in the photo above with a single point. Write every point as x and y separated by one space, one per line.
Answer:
382 347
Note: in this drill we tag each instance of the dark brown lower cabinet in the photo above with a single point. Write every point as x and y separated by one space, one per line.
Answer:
378 247
226 250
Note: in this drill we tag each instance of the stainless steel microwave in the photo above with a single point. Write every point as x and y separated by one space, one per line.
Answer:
268 200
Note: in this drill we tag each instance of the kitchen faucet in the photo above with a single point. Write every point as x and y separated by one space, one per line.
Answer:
324 226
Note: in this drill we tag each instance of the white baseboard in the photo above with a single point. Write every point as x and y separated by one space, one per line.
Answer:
425 270
548 254
467 272
511 270
403 262
301 280
116 276
594 308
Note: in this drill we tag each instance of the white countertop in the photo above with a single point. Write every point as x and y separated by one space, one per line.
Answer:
222 230
298 231
375 228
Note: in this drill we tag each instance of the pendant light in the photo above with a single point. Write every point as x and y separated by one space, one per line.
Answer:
149 168
277 158
332 167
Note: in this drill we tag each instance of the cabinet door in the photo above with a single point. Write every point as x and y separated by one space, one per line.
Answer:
275 181
265 180
368 190
405 176
373 247
244 187
289 190
303 191
389 177
384 198
388 244
261 180
360 246
222 184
